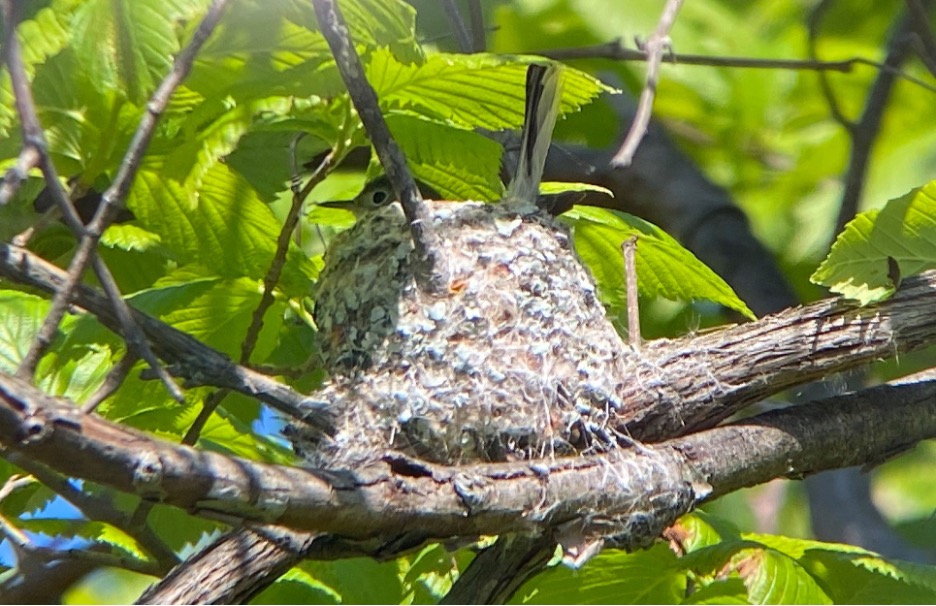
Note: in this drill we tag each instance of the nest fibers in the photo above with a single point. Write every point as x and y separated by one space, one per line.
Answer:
515 360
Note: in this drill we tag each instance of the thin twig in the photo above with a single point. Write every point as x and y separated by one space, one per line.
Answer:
615 50
94 507
921 26
629 248
271 279
865 131
28 159
432 272
211 403
825 86
458 25
655 46
478 38
111 201
112 383
133 334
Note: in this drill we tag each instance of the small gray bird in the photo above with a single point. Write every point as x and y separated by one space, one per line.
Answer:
543 93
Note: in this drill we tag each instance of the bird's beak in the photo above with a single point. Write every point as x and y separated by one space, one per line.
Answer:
349 205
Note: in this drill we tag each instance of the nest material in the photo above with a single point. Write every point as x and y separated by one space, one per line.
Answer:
516 360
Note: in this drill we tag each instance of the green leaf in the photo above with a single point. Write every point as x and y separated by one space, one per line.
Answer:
177 528
21 316
559 187
471 91
29 499
860 265
128 44
652 576
664 268
774 578
297 587
225 227
869 579
727 591
459 164
392 23
216 312
360 580
226 434
90 530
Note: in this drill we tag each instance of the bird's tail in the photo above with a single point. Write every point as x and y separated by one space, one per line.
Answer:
543 93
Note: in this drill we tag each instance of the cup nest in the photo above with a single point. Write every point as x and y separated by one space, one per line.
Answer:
516 359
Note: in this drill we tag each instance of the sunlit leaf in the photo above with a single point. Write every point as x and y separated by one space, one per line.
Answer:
880 247
664 268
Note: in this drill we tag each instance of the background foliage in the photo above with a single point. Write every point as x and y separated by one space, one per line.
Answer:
214 188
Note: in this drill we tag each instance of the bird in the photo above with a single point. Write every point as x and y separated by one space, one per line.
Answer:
543 94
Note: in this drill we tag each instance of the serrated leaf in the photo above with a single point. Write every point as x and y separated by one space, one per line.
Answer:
297 587
216 312
127 44
21 316
177 528
29 499
664 268
225 227
130 237
860 264
652 576
869 579
88 530
459 164
774 578
384 23
471 91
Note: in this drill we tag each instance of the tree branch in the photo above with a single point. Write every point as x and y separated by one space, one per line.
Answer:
787 443
434 275
654 48
191 358
634 492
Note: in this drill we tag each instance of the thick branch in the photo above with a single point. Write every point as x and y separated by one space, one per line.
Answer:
193 360
687 384
640 490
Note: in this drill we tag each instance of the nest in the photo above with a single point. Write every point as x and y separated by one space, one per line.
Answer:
516 360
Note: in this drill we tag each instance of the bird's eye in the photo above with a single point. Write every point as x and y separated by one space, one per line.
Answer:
378 198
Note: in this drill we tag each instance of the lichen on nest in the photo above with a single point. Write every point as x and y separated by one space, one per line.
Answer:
515 360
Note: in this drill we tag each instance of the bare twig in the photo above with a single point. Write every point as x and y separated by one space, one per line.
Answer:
629 248
865 131
111 383
194 360
111 201
28 159
433 273
132 334
271 279
921 26
617 51
211 403
458 26
656 45
478 38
